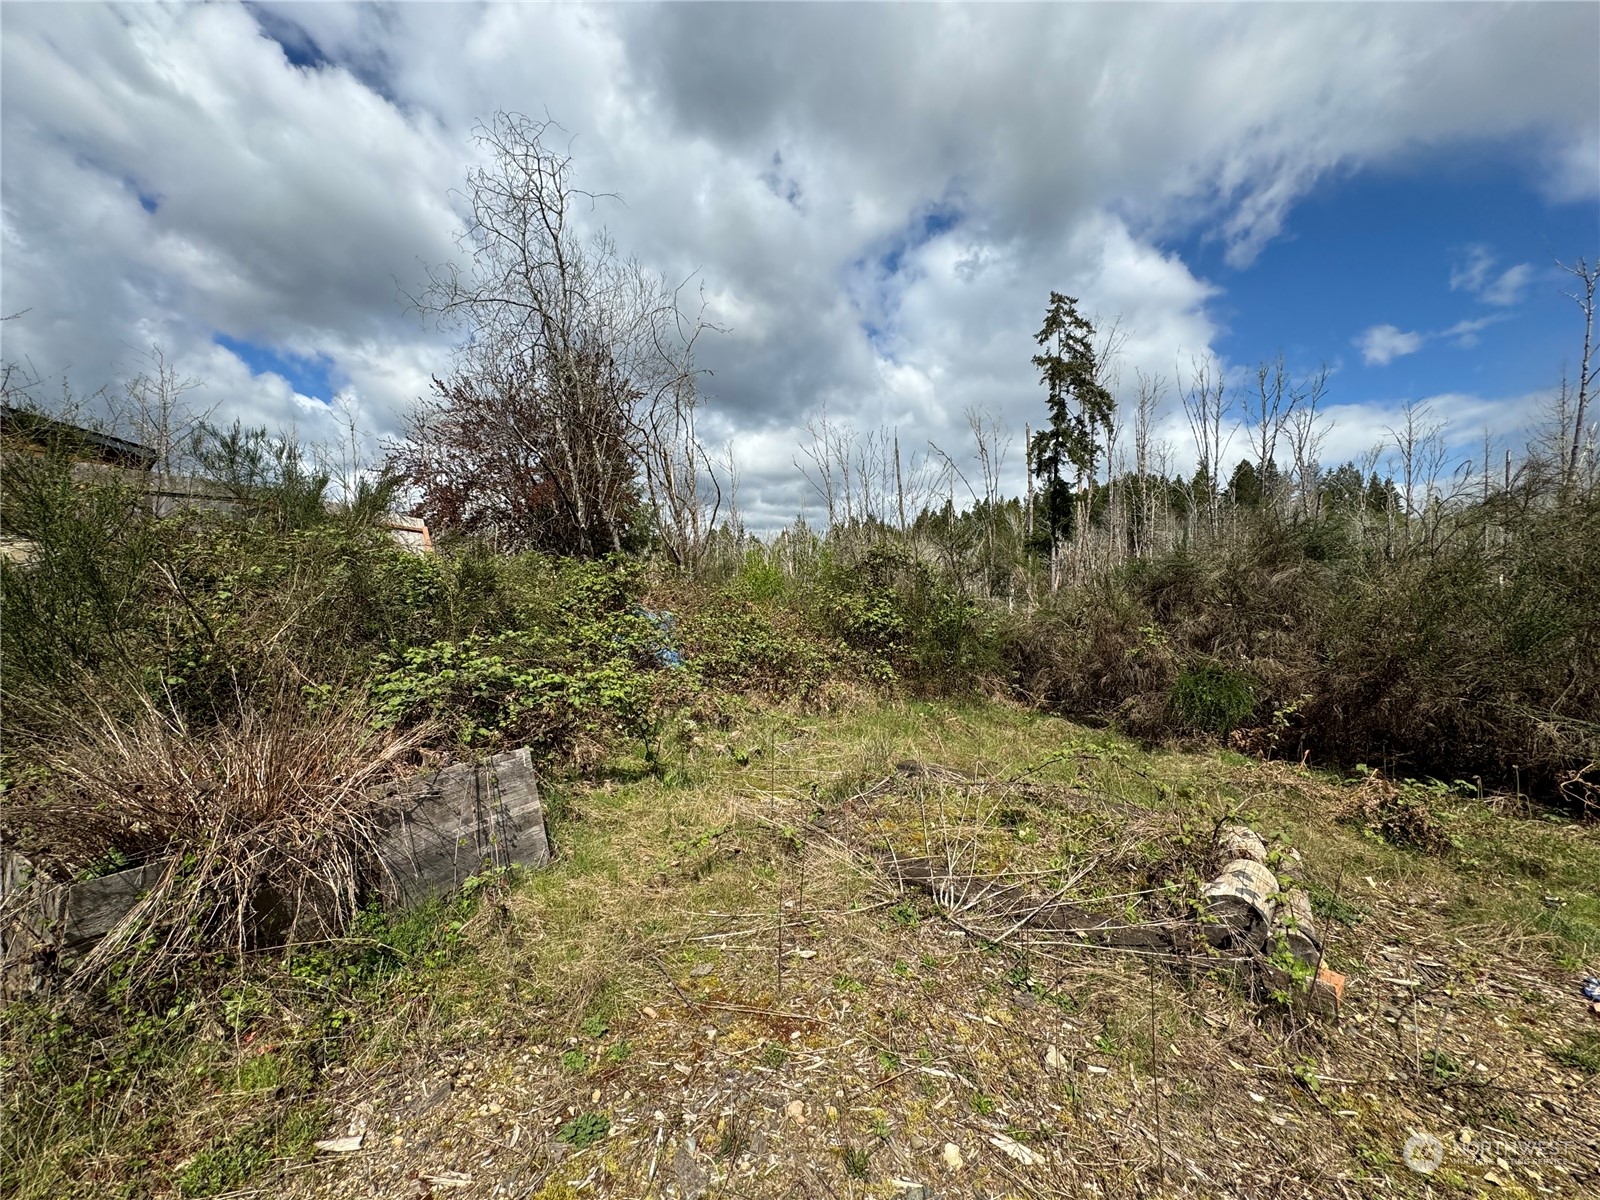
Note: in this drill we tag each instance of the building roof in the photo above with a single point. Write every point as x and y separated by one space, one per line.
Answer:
45 431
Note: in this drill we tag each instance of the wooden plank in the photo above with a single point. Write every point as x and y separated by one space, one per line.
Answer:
464 820
448 826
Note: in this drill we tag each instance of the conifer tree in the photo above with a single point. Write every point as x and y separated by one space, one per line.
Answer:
1080 409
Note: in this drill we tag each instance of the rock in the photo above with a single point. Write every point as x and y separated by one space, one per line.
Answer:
795 1110
910 1189
692 1178
1054 1060
952 1157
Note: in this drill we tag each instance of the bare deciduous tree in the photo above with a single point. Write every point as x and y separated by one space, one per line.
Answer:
1149 394
1421 451
1267 409
1205 404
157 413
1307 431
587 350
826 447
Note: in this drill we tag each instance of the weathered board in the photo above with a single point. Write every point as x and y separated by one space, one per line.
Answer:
448 826
462 820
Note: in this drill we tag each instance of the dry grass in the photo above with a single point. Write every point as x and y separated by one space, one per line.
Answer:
725 967
710 954
262 829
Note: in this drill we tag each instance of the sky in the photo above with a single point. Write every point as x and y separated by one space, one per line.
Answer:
876 200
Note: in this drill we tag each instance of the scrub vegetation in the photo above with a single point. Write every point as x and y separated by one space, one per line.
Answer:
1391 667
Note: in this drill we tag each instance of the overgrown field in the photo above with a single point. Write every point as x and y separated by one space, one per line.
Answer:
718 990
724 984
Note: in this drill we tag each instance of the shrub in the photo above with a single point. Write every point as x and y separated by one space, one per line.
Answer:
1212 699
1400 815
739 646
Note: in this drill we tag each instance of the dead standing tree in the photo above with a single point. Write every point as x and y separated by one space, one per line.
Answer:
1587 275
1205 404
588 356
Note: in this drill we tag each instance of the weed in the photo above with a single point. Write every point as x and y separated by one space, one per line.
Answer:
905 913
1212 698
1305 1074
1440 1065
227 1163
734 1139
584 1130
1582 1055
856 1161
1332 907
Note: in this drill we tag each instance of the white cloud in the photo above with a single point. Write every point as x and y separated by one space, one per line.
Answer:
1574 172
1465 333
1506 289
1382 344
1475 274
168 174
1470 274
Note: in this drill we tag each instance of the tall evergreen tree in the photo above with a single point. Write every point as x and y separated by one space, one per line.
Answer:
1080 409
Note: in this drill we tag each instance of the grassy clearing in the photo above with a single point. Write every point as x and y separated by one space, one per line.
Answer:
711 992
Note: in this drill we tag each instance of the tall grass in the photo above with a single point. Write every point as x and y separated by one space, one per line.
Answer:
263 829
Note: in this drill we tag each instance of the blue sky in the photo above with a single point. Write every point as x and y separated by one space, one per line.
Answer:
311 376
1380 247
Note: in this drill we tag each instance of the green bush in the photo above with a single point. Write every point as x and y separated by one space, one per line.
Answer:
743 647
583 665
1212 699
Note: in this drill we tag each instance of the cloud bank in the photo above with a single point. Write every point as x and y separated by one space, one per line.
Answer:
877 199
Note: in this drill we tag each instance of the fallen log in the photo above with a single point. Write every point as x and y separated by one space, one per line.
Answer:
1239 841
1008 908
1294 927
1238 905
